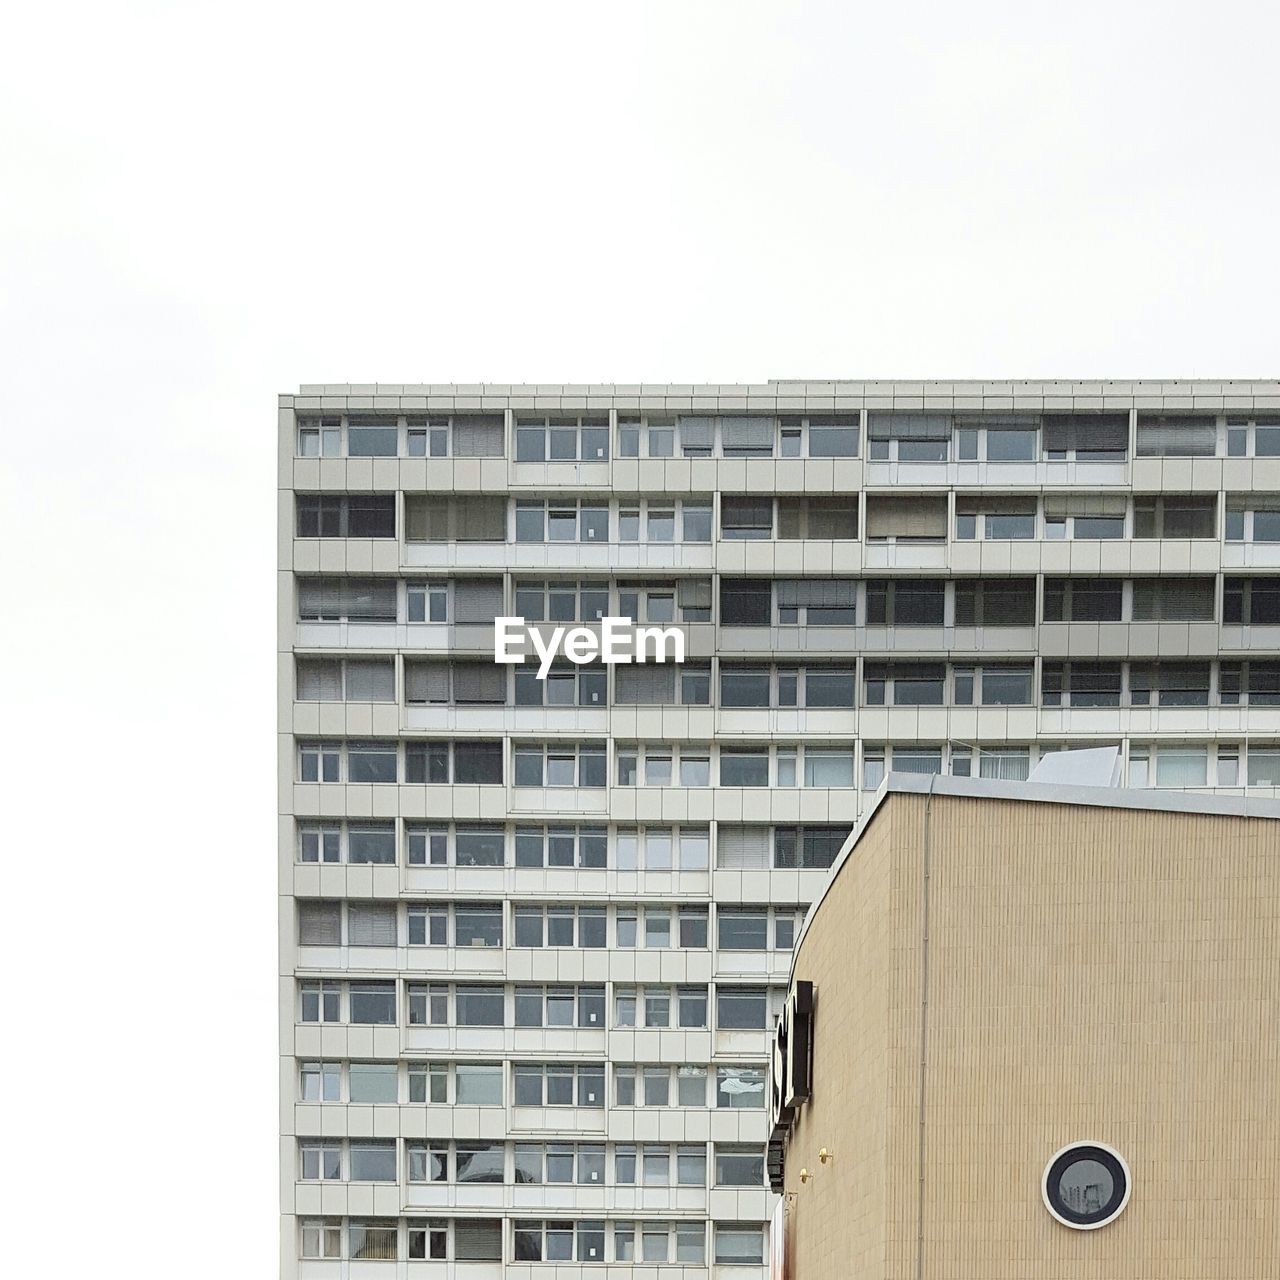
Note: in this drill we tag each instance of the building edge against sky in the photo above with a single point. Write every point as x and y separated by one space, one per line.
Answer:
559 914
1033 1032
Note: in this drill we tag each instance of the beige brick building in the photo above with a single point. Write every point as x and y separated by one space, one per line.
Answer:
1003 969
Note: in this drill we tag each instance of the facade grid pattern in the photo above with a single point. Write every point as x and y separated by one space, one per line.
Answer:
533 934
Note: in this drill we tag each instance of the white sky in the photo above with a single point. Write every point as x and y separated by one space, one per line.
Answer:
203 205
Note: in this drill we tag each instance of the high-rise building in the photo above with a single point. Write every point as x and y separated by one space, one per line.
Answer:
534 932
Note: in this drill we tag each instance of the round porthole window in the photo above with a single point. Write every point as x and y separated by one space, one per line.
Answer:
1086 1185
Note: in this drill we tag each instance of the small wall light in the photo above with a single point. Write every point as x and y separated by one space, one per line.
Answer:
825 1156
805 1175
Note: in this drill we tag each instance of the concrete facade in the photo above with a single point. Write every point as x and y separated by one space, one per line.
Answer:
485 881
996 978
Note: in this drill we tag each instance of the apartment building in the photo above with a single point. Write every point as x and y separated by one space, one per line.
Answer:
534 933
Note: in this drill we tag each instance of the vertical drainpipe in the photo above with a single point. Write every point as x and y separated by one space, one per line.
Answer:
924 1026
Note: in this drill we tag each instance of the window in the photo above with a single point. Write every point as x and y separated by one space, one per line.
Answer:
365 515
460 683
1080 684
1006 438
995 519
559 1163
472 846
562 439
744 766
373 437
1258 438
1174 516
908 437
557 1240
1253 518
559 926
319 762
809 848
1083 599
372 761
460 762
563 686
429 1240
1009 764
556 601
321 1001
1085 437
1264 765
906 603
474 925
477 1240
1175 766
746 602
319 437
373 1161
561 520
558 1085
439 518
1251 601
654 437
429 1082
744 686
371 924
477 1162
816 519
739 1243
742 437
366 762
350 679
346 600
320 1082
995 602
1170 436
829 436
904 684
475 601
648 685
827 767
1086 1186
373 1003
372 1241
1256 683
471 435
581 847
559 1007
742 1008
740 1088
319 1161
373 1082
478 1084
1005 686
742 929
476 1006
816 602
739 1166
906 519
321 1238
565 764
1173 599
1169 684
651 848
319 924
1088 516
428 1163
746 518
